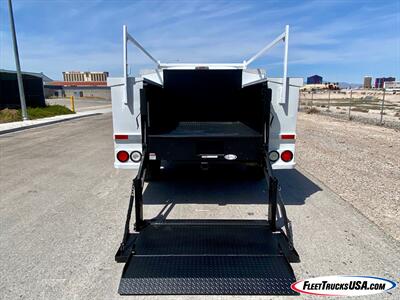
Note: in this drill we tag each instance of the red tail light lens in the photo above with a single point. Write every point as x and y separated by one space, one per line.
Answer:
287 156
123 156
288 136
121 136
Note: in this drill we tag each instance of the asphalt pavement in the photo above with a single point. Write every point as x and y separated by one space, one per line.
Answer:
63 207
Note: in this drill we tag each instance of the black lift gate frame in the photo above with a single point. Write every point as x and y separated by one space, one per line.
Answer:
215 257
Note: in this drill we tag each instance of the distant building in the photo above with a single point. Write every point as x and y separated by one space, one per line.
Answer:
392 85
379 82
367 82
33 89
80 85
315 79
75 76
79 89
321 86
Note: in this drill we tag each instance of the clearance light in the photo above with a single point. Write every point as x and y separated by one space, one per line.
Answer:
288 136
123 156
287 156
136 156
273 156
121 137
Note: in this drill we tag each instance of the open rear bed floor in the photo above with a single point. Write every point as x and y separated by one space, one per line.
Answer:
211 129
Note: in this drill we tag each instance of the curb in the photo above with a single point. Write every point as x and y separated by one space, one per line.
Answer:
5 131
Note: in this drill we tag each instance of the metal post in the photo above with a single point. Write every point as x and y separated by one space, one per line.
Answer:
125 56
72 103
17 65
383 105
312 98
329 98
272 208
285 66
137 182
128 217
351 98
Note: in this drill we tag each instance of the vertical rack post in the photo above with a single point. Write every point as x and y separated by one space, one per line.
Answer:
125 55
285 65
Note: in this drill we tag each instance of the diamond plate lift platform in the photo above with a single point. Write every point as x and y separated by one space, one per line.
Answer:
207 257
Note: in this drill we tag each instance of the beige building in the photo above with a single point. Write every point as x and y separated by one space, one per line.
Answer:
74 76
367 82
392 86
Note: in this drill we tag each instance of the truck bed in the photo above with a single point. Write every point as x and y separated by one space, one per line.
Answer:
210 129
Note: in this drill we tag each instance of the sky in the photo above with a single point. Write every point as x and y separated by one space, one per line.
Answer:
337 39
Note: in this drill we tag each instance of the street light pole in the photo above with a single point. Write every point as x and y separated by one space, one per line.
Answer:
18 67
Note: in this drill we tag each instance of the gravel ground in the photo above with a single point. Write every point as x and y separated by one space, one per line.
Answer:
359 162
369 119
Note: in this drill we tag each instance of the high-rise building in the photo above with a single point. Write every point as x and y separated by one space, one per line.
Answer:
74 76
379 82
315 79
367 82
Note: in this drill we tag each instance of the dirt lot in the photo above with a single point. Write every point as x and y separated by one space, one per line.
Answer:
366 105
358 162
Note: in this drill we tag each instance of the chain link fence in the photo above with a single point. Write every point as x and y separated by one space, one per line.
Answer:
372 106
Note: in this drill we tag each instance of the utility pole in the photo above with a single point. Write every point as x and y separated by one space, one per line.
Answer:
18 67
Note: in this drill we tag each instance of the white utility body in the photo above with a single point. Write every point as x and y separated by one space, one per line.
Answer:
219 117
125 93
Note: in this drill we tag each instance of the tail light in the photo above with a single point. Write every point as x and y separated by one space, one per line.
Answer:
123 156
288 137
273 156
136 156
287 156
121 137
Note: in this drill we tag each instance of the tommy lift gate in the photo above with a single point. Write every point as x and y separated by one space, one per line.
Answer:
205 114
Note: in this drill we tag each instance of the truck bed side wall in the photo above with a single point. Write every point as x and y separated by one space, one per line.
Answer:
126 117
284 118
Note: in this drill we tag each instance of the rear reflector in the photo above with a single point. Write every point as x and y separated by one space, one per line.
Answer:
136 156
123 156
121 136
273 156
288 136
287 156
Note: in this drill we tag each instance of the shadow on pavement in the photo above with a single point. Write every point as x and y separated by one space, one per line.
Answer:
296 187
232 185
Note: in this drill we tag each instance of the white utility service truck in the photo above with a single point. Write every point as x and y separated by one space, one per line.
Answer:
205 114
